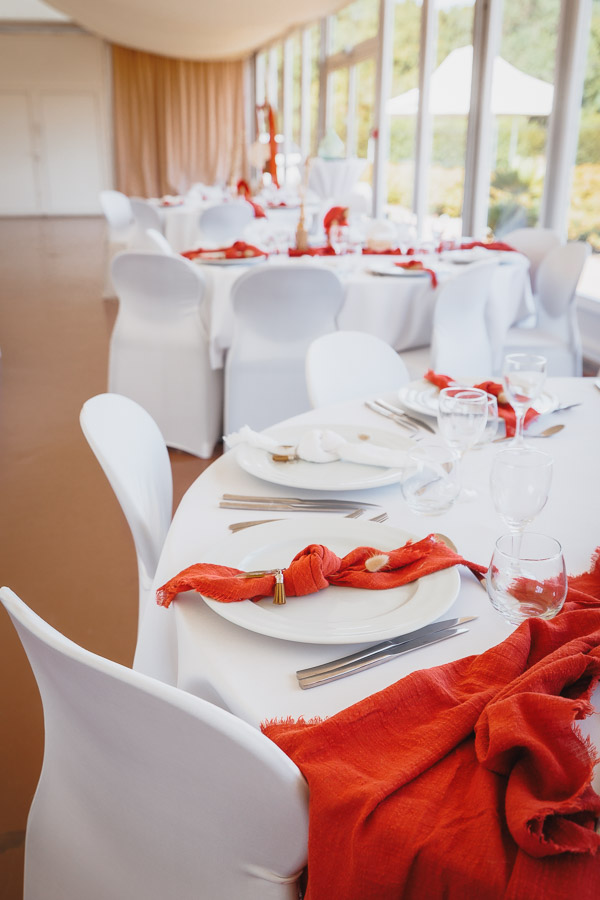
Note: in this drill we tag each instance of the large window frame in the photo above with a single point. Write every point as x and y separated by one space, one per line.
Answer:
575 18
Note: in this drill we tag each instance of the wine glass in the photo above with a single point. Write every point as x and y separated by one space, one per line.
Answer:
523 377
462 416
527 577
431 484
520 483
338 238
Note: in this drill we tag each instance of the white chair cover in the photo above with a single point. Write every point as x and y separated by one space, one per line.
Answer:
225 222
146 216
148 792
556 335
130 448
159 349
156 242
350 365
535 244
120 232
278 311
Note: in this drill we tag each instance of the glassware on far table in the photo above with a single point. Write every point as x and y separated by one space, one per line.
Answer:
520 481
523 377
527 577
462 416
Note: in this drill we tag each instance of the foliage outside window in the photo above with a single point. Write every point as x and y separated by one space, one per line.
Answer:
355 23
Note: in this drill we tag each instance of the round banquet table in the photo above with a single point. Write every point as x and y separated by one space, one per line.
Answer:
398 307
253 675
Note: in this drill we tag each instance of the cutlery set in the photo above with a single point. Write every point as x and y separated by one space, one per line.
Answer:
293 504
399 416
380 653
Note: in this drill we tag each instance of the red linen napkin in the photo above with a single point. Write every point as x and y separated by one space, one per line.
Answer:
491 245
396 251
505 410
418 266
316 567
465 781
238 250
337 215
312 251
243 189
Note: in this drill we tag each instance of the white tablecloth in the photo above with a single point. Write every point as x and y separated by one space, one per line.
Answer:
397 309
254 675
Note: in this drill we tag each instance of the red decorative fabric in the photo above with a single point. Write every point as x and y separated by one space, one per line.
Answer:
419 267
238 250
505 410
465 781
491 245
243 188
316 567
312 251
337 215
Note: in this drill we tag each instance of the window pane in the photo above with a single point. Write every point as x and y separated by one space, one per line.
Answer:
449 103
402 109
365 105
296 87
338 108
315 44
354 24
522 90
584 214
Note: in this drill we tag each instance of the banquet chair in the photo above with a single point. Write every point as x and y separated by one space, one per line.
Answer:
159 353
535 244
351 365
460 343
225 222
118 213
556 334
146 216
156 242
278 312
149 792
133 455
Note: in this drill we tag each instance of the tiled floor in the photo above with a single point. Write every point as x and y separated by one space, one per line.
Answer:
64 545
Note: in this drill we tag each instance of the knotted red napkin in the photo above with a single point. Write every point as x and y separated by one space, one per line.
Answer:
491 245
238 250
464 781
418 266
316 567
505 410
337 215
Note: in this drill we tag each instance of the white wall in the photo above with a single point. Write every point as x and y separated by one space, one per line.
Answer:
55 134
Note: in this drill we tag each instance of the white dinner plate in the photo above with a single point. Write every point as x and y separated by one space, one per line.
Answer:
421 396
386 268
335 615
466 257
332 476
243 261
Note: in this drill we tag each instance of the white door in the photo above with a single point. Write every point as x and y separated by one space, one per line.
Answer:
71 147
19 193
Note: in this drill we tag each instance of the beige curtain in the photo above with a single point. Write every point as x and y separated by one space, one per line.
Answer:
176 122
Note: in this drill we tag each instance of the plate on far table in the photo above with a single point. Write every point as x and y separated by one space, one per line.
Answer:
332 476
335 615
388 268
421 396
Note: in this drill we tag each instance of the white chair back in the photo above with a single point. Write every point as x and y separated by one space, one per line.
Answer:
148 792
159 349
146 216
351 365
156 242
131 450
225 222
117 212
278 311
535 244
460 342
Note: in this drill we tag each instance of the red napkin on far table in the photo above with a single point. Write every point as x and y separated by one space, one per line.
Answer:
491 245
464 781
505 410
312 251
238 250
316 567
419 267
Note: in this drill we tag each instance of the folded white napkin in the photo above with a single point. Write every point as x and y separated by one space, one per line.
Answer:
321 445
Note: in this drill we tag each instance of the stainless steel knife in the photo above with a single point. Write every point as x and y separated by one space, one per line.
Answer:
397 411
391 643
381 656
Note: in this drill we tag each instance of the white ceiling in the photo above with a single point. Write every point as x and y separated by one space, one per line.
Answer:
194 29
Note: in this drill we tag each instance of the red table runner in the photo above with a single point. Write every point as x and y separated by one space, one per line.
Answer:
467 781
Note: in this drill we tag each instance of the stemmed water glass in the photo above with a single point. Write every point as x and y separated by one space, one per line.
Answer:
462 416
520 483
523 377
